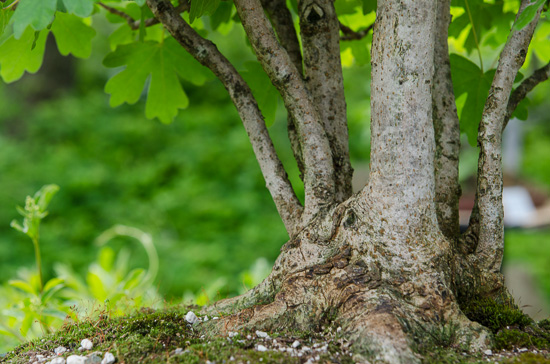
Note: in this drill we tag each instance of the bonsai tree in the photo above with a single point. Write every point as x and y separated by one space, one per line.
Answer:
384 262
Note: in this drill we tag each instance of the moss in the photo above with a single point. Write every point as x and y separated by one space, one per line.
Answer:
495 315
528 358
152 337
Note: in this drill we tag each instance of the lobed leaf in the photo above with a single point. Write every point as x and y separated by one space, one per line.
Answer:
23 54
36 13
81 8
528 14
202 7
72 35
263 90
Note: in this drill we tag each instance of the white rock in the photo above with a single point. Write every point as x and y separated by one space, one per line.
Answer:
488 352
205 318
261 334
77 359
59 360
178 351
261 348
232 334
59 350
338 329
232 358
108 359
522 350
93 359
215 318
87 344
305 348
295 344
191 318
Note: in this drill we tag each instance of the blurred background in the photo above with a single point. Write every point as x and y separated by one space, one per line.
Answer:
196 188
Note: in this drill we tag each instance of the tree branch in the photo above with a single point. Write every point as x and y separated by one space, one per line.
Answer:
540 75
319 171
319 28
488 226
135 24
207 54
350 34
447 129
282 22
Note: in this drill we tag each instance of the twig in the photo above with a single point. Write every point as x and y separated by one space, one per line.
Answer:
540 75
135 24
350 34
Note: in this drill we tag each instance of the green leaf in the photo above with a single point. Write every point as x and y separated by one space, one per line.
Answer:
96 286
123 35
27 322
135 277
140 2
22 285
522 110
52 283
369 5
81 8
222 15
165 90
52 312
163 62
263 90
36 13
468 78
72 35
18 56
202 7
45 195
528 14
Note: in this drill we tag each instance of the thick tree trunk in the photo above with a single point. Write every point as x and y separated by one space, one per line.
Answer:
384 264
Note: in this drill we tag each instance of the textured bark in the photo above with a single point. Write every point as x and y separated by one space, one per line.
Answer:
486 230
319 28
206 53
282 22
447 130
319 171
526 86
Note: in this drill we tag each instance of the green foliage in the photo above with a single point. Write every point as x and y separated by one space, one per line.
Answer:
202 7
81 8
36 13
495 315
528 14
72 35
25 54
265 93
514 338
163 61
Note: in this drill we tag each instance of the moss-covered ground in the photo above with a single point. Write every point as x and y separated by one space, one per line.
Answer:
165 336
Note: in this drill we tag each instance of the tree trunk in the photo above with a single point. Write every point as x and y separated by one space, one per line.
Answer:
384 264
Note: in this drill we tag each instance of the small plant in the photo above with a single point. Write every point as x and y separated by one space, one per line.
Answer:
33 213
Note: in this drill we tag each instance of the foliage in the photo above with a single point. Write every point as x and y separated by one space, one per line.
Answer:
495 315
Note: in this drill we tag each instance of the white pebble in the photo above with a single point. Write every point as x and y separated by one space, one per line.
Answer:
338 329
108 359
59 360
93 359
86 344
522 350
488 352
215 318
262 348
59 350
205 318
295 344
232 334
261 334
191 318
77 359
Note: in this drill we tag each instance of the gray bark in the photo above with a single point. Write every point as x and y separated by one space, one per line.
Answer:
486 224
319 27
319 171
447 130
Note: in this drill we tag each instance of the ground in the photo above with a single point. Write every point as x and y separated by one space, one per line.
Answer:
150 336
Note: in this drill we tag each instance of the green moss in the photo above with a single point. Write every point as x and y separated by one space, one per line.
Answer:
528 358
152 337
495 315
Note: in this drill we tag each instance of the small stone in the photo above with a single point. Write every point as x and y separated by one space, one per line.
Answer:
59 350
261 334
108 359
191 318
232 358
488 352
77 359
232 334
261 348
58 360
93 359
248 337
295 344
306 348
87 344
178 351
215 318
205 318
522 350
338 329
